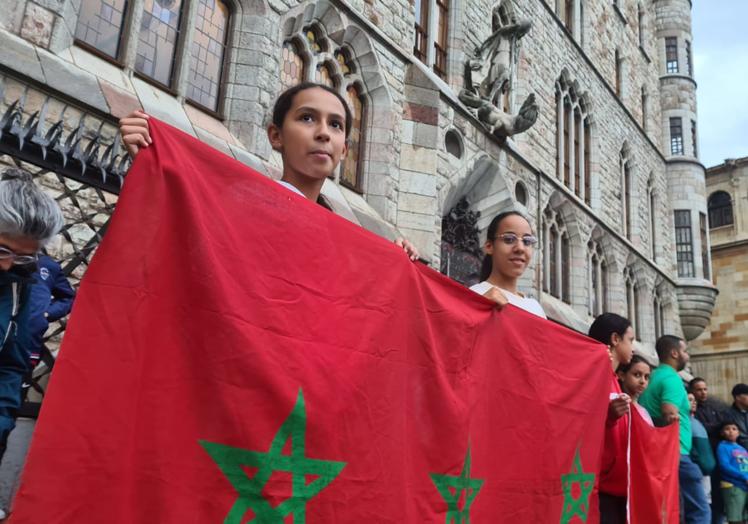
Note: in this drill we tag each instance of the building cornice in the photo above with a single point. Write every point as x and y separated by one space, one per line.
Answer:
729 245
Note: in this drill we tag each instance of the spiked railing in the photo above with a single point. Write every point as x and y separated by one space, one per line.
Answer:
84 171
27 141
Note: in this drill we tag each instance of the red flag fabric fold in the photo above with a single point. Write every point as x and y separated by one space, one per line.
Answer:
240 354
654 459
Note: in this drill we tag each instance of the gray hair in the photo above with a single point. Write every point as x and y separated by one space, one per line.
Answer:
26 210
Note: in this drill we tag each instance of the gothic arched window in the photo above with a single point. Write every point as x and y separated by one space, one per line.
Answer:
632 300
557 256
292 67
572 141
335 67
624 165
720 209
598 279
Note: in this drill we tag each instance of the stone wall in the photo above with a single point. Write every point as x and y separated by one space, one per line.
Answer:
411 179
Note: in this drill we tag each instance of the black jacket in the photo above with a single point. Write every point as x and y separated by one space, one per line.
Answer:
711 413
740 418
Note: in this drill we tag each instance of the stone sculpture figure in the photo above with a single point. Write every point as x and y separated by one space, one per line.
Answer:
494 58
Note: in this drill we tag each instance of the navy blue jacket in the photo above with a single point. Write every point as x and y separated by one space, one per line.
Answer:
14 338
52 294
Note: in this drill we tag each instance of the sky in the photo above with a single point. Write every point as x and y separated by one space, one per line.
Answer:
720 54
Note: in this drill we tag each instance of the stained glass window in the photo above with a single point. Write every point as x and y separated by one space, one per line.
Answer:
343 62
350 174
208 50
314 41
292 72
324 76
100 25
157 41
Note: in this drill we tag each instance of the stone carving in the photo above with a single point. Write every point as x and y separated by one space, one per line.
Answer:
487 76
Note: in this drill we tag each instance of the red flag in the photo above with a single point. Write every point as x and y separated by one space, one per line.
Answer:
654 459
240 354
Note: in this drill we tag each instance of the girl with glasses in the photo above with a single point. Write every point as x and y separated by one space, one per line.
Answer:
509 247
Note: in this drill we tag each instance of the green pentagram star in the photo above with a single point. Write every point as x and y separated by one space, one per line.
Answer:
230 460
579 506
461 483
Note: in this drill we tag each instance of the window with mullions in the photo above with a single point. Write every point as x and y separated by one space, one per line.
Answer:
671 54
598 279
704 246
292 66
573 143
100 24
624 166
430 46
557 257
684 243
676 136
659 314
208 50
632 300
720 209
689 60
157 40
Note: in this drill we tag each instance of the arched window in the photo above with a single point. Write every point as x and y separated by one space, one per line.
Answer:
157 40
659 314
293 67
572 141
598 279
624 165
632 300
208 49
557 257
324 76
619 73
720 209
352 167
335 67
651 208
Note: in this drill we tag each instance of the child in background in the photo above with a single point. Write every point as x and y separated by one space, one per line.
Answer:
634 379
733 465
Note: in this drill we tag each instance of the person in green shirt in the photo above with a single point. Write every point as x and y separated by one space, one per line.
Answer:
667 402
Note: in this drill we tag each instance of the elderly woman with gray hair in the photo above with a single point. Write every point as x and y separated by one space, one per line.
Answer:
28 219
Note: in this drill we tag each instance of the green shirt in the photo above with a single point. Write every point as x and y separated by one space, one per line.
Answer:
666 386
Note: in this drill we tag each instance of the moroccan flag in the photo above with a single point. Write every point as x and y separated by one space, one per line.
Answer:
654 458
240 354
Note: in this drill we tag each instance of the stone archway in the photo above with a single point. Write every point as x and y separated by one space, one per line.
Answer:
468 206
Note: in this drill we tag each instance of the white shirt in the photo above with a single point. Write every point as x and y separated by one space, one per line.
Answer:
528 304
290 186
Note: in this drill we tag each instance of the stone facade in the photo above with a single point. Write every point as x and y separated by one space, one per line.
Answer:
424 151
720 353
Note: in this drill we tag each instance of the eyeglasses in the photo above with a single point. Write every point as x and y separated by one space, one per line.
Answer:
511 239
18 260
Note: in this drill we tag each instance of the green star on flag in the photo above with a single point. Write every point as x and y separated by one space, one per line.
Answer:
232 460
451 489
579 506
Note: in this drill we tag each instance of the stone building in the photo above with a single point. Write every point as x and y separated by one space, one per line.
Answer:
719 354
609 174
